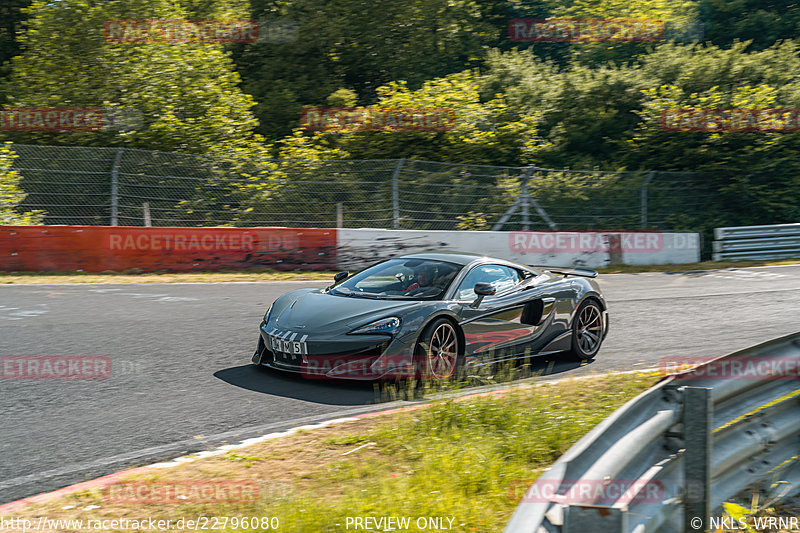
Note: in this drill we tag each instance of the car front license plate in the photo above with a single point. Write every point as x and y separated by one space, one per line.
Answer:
279 344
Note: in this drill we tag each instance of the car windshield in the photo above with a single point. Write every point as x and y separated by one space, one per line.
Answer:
414 279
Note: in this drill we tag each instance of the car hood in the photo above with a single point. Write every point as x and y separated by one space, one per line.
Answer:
319 312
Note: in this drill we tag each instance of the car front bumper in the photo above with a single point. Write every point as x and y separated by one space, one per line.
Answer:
356 357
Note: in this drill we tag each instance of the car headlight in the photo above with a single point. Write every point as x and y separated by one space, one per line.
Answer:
387 326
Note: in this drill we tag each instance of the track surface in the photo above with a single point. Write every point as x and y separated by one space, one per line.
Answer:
181 380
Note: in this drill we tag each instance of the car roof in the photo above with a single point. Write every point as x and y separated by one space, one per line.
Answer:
460 258
464 259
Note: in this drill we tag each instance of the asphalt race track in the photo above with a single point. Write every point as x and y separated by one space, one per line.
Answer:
181 379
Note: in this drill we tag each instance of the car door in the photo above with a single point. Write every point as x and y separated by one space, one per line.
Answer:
494 326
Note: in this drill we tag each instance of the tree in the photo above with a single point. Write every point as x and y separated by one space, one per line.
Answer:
360 46
185 95
761 22
11 17
484 132
581 110
11 195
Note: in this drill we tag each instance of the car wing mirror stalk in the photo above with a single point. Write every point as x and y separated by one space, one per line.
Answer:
482 289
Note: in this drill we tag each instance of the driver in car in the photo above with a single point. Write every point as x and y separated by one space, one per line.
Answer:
424 277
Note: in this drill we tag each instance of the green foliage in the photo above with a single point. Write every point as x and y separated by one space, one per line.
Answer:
343 98
186 93
361 45
485 132
556 105
472 221
737 512
750 177
11 195
762 23
11 17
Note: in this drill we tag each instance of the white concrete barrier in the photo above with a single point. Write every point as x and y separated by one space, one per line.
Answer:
359 247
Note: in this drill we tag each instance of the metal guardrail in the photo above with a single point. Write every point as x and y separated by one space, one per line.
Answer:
757 242
701 439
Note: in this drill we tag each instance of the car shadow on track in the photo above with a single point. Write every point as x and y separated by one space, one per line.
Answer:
545 366
328 392
288 385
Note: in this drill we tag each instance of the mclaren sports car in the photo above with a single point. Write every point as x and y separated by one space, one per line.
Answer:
432 316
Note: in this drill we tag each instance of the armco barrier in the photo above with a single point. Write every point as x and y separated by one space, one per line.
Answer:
776 241
358 247
699 438
101 248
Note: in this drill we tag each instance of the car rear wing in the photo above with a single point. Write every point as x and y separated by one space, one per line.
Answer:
583 272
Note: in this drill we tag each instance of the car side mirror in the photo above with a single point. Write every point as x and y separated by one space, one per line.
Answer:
482 289
340 276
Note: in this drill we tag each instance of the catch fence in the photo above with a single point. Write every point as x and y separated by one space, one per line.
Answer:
122 186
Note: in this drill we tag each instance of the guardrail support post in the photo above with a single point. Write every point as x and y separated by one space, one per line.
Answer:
697 411
583 518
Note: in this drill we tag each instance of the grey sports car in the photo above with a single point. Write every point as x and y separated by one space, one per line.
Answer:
432 316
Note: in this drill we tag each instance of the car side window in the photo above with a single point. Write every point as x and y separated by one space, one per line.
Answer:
498 276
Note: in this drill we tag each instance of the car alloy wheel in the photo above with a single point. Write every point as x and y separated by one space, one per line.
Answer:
439 351
587 330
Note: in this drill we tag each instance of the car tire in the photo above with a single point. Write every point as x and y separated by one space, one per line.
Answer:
437 354
587 330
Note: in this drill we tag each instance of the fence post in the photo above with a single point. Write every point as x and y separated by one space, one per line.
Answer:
532 201
524 202
697 411
526 219
645 183
146 214
396 194
115 188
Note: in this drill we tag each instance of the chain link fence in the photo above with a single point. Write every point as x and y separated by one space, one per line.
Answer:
121 186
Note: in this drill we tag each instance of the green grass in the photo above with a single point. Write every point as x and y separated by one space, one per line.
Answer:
468 459
462 458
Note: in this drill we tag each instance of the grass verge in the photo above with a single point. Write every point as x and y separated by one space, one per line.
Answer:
468 460
133 276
